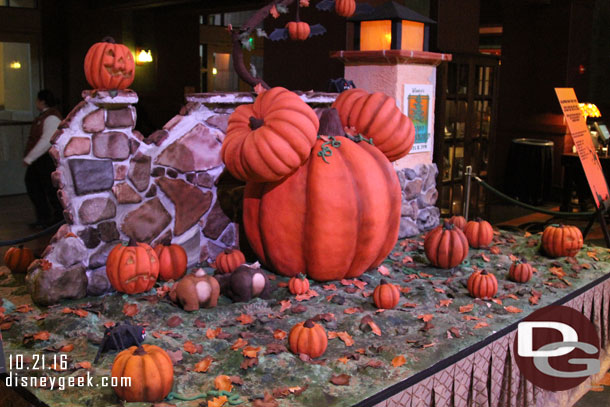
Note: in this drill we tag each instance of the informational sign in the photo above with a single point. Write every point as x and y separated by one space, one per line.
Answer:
418 105
584 144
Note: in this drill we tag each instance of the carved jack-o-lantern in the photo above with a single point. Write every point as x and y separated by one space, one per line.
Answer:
109 65
132 268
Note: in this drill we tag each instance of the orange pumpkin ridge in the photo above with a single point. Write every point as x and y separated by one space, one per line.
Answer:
294 225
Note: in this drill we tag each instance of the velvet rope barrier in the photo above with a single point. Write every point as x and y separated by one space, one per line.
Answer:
531 207
46 231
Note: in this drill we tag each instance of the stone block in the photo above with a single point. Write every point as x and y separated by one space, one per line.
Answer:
190 202
413 189
197 150
96 209
108 231
112 144
90 237
77 146
125 194
408 227
428 218
147 221
91 175
98 283
119 118
139 171
48 287
216 222
68 252
94 122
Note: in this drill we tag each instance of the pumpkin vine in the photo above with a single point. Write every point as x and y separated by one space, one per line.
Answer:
359 137
325 150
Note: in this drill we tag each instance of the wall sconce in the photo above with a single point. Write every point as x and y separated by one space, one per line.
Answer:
391 26
589 110
15 65
143 56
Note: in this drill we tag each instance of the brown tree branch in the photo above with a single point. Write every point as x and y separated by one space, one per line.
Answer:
244 31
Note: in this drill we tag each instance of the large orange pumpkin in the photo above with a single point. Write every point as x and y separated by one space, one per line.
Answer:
479 233
17 259
150 369
270 139
172 261
482 284
227 261
561 240
133 268
386 295
335 217
376 116
309 338
298 30
446 246
345 8
109 65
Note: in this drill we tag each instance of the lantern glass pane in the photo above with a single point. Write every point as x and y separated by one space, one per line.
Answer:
375 35
412 35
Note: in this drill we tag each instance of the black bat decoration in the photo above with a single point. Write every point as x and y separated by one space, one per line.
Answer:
119 337
317 29
363 8
325 5
279 34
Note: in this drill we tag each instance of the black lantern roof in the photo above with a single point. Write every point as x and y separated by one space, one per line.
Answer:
393 11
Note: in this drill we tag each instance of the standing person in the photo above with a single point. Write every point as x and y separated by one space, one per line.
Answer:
40 164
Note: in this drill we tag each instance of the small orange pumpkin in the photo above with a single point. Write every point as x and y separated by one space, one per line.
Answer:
298 284
271 138
109 65
17 259
227 261
520 271
345 8
446 246
309 338
150 369
561 240
298 30
132 268
172 261
479 233
386 295
458 221
482 284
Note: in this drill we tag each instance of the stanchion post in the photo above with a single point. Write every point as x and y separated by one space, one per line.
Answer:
468 176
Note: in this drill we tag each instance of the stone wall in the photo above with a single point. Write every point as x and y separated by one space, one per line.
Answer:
419 195
116 185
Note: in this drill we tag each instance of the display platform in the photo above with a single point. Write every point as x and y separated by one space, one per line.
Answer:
438 347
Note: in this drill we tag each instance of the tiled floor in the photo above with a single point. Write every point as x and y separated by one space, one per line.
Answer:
17 211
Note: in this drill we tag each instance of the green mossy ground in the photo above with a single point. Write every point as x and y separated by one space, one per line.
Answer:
369 359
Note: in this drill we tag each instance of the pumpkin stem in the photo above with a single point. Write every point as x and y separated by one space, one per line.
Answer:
20 246
308 324
227 251
448 226
484 273
132 242
140 351
108 39
330 123
301 276
255 123
383 281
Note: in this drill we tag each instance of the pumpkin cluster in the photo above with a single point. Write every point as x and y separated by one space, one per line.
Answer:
310 187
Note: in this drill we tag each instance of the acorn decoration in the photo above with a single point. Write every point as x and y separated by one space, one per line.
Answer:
386 295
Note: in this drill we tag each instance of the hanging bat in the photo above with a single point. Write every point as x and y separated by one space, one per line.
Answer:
282 33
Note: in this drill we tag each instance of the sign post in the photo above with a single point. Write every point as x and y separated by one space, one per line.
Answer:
577 126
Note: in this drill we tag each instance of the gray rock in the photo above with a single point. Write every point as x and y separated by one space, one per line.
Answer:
108 231
214 249
220 121
410 173
96 209
94 122
77 146
125 194
190 202
68 252
428 218
147 221
197 150
413 189
402 179
91 175
98 258
90 237
120 172
228 236
430 180
98 283
139 171
112 144
216 222
119 118
428 198
408 228
204 179
190 242
48 287
409 209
